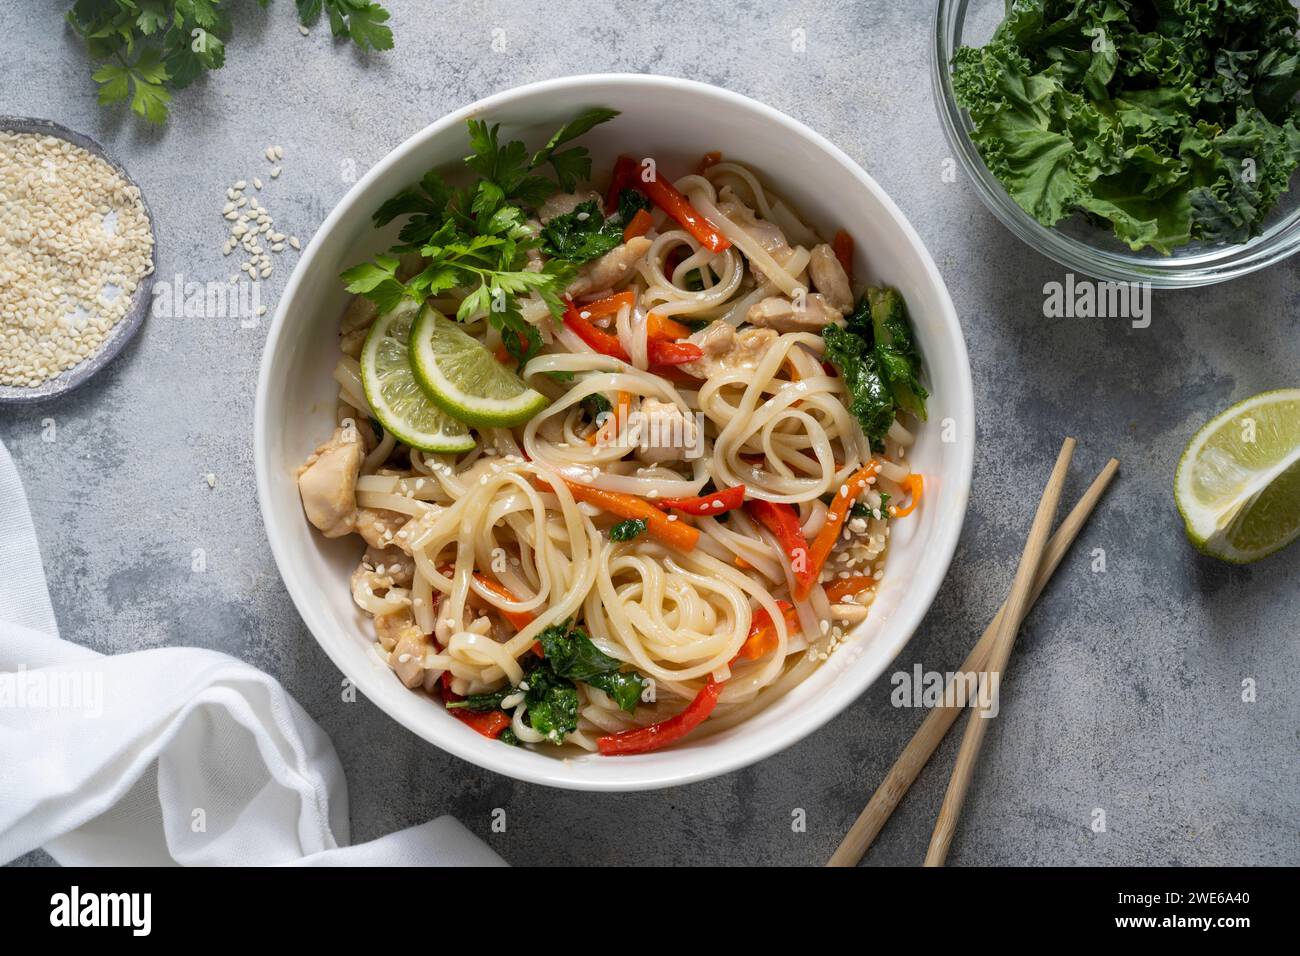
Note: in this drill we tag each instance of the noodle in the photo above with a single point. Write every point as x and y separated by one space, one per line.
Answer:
479 563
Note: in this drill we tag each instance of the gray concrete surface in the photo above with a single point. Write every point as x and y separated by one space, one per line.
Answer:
1125 691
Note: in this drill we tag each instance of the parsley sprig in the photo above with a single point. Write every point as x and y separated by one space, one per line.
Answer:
475 238
146 49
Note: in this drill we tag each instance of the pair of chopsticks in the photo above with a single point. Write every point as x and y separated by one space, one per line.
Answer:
989 658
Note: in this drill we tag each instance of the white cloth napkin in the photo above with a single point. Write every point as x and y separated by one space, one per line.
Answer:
169 756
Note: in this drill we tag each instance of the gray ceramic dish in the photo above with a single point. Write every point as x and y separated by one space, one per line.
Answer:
121 333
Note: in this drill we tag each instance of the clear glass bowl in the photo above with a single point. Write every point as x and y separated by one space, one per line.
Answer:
1075 243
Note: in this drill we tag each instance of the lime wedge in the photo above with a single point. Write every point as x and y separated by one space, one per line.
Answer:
464 379
1238 483
394 396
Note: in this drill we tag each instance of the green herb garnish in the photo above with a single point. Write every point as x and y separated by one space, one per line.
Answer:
149 48
475 237
878 360
630 202
571 653
627 530
594 406
581 235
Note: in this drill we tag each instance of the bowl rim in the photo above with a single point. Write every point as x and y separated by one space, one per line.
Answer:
1212 266
633 775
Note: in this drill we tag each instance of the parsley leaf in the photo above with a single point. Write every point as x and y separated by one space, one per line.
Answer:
572 165
144 50
475 239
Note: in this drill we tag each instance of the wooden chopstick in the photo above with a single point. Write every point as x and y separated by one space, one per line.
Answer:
1005 636
926 740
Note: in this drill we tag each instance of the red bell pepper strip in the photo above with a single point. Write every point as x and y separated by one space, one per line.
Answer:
672 353
712 504
762 632
783 521
643 740
668 198
606 306
488 723
624 174
606 343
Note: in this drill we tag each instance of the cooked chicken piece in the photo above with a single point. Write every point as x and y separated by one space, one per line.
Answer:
766 234
359 316
379 526
415 528
610 269
665 433
778 312
398 631
391 563
725 348
351 343
830 279
327 482
561 204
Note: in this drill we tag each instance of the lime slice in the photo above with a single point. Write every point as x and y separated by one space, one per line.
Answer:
1238 483
464 379
395 397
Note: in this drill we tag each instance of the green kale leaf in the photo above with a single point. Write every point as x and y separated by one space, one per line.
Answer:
581 235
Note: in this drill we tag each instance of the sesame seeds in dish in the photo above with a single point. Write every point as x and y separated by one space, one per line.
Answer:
76 244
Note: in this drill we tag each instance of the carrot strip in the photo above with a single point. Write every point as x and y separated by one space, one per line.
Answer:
614 424
711 158
676 534
830 532
842 588
915 486
661 328
518 619
639 225
762 632
842 246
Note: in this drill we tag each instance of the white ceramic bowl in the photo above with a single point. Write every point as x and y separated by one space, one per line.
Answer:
677 121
